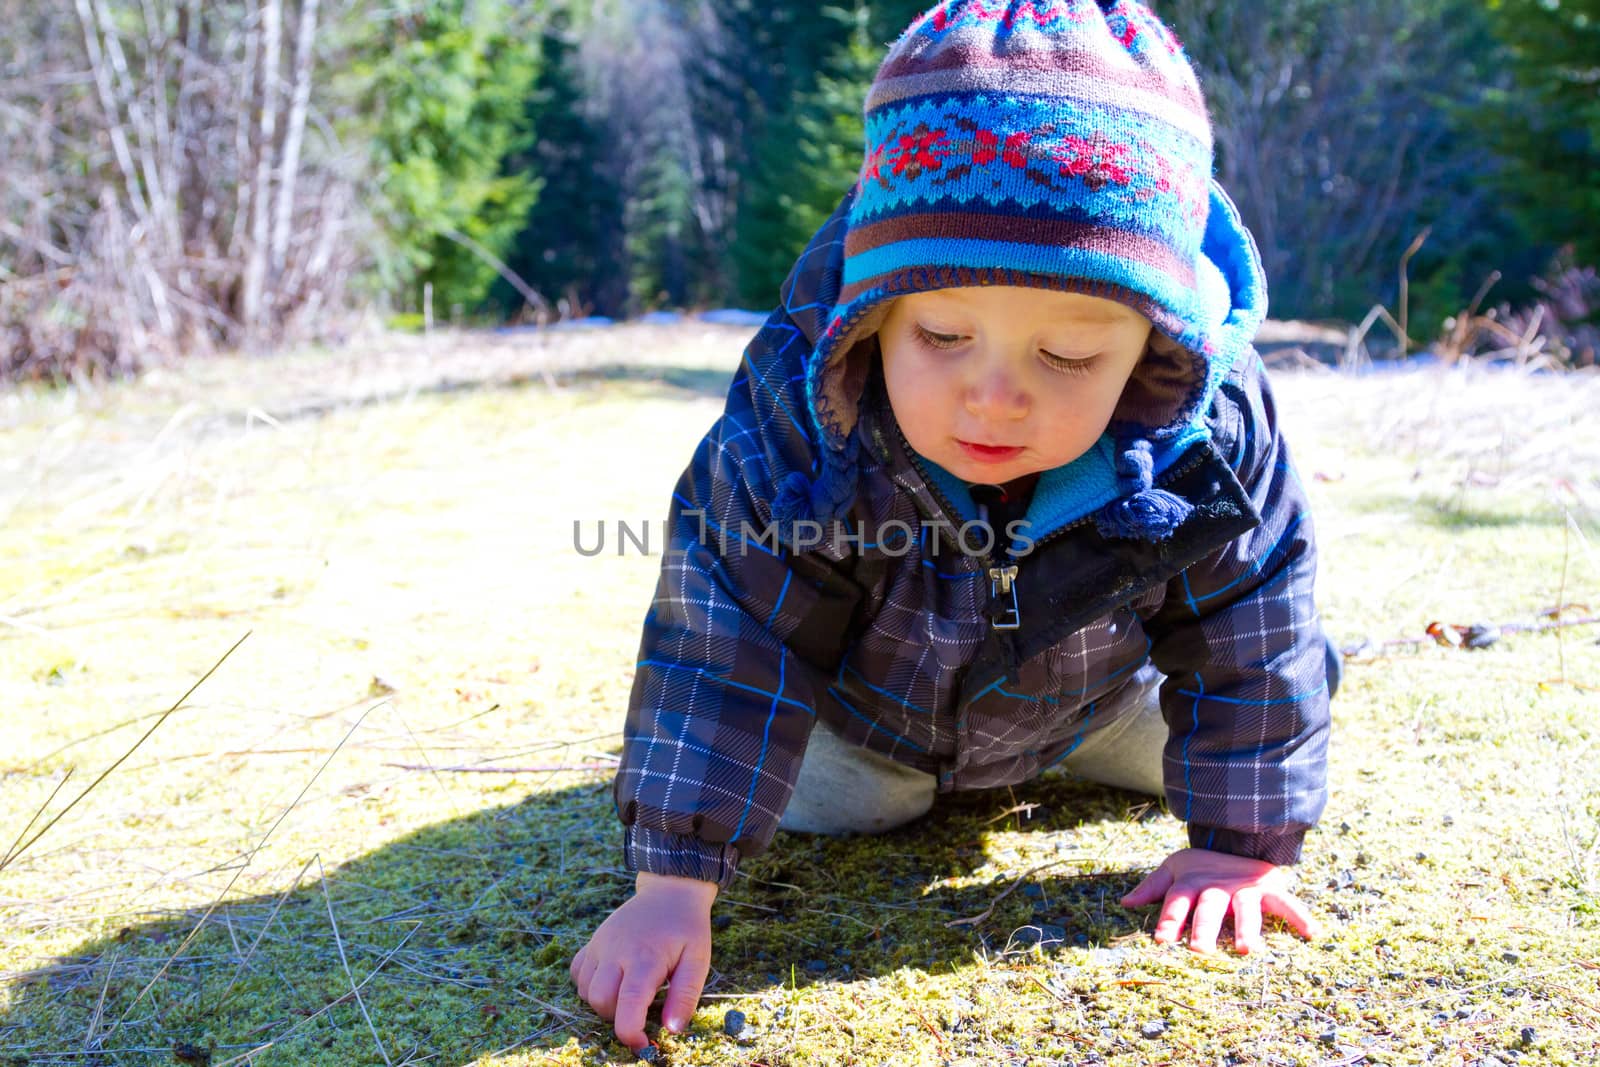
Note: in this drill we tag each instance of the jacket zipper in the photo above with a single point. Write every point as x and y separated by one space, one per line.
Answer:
1002 576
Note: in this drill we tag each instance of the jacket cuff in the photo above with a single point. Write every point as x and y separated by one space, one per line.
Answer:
682 855
1281 848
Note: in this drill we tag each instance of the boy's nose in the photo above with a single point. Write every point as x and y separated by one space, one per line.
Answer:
996 394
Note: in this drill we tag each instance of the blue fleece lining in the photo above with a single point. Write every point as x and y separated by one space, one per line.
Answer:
1067 493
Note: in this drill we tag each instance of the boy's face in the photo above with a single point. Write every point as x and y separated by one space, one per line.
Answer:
1033 371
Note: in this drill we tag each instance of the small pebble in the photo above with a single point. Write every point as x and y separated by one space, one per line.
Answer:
733 1022
1330 1036
817 966
184 1052
1153 1029
1510 957
649 1054
1528 1036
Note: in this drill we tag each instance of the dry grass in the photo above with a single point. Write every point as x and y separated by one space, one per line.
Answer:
271 877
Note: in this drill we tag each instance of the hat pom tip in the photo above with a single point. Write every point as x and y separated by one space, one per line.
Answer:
1150 515
793 501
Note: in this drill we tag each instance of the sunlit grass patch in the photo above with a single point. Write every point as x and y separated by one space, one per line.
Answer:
395 532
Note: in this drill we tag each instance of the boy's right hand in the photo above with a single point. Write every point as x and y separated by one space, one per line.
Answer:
663 929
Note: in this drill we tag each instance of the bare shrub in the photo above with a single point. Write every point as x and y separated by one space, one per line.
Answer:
172 182
1561 330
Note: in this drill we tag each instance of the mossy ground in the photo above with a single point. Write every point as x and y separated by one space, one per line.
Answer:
293 869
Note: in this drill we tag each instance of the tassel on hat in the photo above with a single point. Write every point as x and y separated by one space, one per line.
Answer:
1143 511
800 498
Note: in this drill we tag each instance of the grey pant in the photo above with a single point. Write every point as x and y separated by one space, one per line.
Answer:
844 788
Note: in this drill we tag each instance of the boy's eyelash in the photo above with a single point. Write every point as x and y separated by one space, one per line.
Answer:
938 340
1068 366
1053 361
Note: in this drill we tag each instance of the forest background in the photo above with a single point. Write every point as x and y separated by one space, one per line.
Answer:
179 177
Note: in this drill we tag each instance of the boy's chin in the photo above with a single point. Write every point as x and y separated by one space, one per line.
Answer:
958 461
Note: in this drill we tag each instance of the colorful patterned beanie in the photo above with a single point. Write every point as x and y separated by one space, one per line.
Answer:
1059 144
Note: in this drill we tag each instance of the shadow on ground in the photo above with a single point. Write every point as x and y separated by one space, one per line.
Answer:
456 938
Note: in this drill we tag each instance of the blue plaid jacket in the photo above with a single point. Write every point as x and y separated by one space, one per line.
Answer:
885 629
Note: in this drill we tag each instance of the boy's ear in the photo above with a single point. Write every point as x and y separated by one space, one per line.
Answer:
846 372
1163 380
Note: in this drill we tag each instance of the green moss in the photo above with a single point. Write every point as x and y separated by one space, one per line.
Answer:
425 542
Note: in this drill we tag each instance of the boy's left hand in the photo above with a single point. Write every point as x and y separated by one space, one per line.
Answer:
1204 886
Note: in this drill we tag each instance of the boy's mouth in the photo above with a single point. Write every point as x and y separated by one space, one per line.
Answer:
988 453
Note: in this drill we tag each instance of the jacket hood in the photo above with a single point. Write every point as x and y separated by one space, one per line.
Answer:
1161 413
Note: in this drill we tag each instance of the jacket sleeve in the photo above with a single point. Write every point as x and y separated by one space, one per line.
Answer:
740 642
1238 637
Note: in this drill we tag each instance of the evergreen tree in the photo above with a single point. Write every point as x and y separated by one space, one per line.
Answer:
805 165
448 82
570 245
1548 125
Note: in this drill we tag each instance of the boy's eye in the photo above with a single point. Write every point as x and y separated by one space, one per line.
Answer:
1066 364
938 340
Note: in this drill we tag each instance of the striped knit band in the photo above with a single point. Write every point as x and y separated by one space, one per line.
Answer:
1061 144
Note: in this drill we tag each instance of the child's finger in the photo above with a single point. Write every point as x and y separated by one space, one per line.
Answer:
575 968
586 971
1173 913
603 985
1209 911
1247 921
683 993
1293 911
1152 889
638 989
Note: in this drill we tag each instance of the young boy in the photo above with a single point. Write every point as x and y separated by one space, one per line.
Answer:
1031 316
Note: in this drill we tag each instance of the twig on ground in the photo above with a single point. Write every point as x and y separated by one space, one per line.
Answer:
338 940
973 920
252 1053
1025 808
1515 976
552 1009
64 780
944 1049
90 1038
19 850
261 936
248 857
1505 628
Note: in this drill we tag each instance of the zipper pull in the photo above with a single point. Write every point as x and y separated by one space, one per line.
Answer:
1002 582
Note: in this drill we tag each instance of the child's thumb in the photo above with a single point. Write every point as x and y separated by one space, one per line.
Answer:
683 988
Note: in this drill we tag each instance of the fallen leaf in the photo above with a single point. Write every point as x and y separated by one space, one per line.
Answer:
1444 635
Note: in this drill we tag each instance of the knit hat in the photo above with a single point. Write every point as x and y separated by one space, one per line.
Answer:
1057 144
